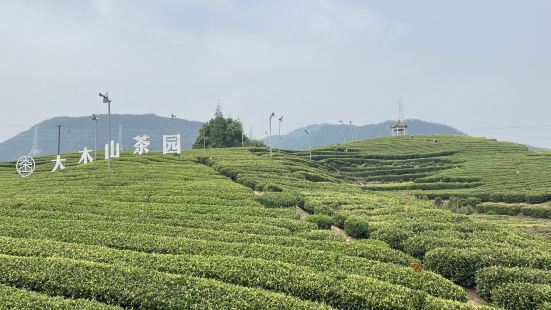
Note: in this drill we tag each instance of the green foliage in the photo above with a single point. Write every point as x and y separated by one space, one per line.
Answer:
13 298
323 235
488 279
357 227
461 265
522 296
281 200
135 287
322 221
221 132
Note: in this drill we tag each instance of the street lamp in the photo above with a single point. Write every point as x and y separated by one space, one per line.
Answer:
279 134
308 138
58 139
270 136
108 101
351 130
95 119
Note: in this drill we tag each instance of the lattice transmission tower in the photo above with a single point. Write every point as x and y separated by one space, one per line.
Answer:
34 149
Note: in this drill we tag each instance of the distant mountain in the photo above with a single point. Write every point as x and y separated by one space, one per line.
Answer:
324 134
82 131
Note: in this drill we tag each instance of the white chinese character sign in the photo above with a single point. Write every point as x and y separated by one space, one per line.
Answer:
58 163
115 150
171 144
25 166
85 156
142 144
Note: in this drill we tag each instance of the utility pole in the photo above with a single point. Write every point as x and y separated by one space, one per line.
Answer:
95 119
58 139
279 135
308 138
270 136
108 101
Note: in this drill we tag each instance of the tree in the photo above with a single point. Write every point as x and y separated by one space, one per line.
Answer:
220 132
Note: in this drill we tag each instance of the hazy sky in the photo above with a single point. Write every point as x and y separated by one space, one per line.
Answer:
470 64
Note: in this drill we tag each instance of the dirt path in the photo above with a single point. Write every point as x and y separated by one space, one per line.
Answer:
303 213
473 297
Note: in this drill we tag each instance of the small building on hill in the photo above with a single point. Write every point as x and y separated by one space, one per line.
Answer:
399 128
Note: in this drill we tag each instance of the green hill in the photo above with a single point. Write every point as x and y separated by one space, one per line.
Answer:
220 229
443 166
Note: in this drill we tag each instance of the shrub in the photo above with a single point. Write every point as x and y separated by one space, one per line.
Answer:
537 211
323 235
272 188
340 217
281 200
322 221
489 278
522 296
432 303
472 201
495 208
460 265
392 235
357 227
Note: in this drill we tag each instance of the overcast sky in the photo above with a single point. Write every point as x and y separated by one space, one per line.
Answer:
474 65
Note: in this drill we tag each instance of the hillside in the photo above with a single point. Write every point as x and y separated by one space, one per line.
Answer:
326 134
443 166
83 131
219 228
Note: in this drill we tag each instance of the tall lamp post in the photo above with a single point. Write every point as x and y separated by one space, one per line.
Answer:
270 136
351 130
308 138
58 139
108 101
279 134
95 119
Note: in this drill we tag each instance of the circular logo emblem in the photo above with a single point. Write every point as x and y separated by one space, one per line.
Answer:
25 166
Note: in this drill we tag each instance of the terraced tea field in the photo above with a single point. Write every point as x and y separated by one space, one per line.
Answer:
220 229
444 166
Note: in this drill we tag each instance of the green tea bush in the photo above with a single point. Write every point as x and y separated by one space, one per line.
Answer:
502 209
321 221
357 227
537 211
432 303
489 278
461 265
135 287
14 298
281 200
522 296
394 236
323 235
